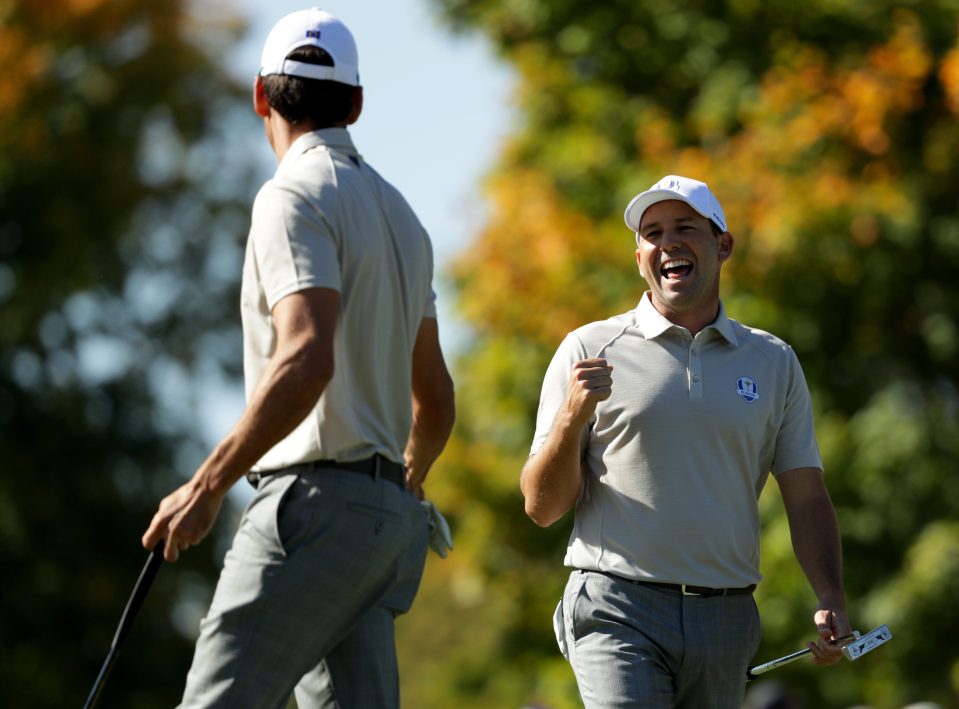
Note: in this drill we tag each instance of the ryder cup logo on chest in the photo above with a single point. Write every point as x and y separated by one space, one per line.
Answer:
747 389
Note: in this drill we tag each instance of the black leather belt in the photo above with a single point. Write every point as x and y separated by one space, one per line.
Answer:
685 589
374 466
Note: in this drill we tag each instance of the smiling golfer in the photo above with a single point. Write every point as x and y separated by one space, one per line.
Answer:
661 426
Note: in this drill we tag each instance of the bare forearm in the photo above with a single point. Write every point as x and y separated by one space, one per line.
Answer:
433 402
289 387
817 545
288 390
431 430
815 537
814 530
552 478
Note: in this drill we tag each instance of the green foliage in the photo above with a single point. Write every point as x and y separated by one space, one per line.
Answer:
119 236
829 130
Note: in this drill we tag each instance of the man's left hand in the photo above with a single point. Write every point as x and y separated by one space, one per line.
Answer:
832 624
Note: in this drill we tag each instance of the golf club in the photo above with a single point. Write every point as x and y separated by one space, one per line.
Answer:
853 650
143 584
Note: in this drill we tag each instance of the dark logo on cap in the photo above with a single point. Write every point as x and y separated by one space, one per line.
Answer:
313 34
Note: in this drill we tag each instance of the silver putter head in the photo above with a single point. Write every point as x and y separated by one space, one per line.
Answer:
867 643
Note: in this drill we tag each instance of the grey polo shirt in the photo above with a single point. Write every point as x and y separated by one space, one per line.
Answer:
678 454
327 219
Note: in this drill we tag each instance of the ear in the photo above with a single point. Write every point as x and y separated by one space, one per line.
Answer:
260 103
726 242
357 106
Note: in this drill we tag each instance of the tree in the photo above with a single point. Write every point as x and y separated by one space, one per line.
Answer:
829 131
121 214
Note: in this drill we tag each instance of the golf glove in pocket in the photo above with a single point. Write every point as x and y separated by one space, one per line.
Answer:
440 539
559 627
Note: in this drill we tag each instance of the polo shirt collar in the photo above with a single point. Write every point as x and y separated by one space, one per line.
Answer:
333 138
652 323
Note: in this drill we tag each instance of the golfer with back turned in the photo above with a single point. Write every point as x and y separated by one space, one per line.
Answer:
348 404
661 426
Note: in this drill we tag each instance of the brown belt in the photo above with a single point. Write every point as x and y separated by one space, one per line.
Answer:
375 466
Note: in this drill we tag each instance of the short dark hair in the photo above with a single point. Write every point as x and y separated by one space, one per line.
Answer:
324 103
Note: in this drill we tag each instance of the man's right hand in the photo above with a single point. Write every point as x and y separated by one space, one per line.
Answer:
183 519
552 478
590 382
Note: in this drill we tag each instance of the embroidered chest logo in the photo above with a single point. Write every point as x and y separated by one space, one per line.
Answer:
747 389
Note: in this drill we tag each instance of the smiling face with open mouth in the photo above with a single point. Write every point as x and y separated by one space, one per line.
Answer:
680 255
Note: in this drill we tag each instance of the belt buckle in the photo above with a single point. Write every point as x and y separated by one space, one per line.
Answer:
689 593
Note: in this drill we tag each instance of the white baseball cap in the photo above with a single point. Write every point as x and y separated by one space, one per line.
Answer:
311 28
693 192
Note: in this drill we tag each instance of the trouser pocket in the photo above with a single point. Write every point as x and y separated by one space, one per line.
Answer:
263 514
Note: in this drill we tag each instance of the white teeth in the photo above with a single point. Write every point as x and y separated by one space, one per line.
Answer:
676 263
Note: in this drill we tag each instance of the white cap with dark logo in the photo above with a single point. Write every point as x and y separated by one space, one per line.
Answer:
693 192
311 28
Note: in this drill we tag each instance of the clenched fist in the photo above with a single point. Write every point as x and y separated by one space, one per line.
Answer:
590 382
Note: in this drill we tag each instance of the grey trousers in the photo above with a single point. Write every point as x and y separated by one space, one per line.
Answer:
638 645
319 567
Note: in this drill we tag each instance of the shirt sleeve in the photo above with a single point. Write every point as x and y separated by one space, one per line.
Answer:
429 307
796 445
555 383
293 243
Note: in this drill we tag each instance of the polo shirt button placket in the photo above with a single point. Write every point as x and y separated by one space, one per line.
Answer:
695 373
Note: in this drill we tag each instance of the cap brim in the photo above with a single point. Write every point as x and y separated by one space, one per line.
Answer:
641 202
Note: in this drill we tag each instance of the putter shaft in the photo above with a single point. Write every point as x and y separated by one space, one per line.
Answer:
753 672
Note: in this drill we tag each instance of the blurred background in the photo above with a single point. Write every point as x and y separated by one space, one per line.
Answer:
129 157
